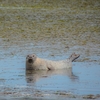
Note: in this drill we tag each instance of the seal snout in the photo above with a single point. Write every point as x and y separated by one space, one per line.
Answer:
30 60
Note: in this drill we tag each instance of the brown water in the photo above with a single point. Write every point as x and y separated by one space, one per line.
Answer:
52 30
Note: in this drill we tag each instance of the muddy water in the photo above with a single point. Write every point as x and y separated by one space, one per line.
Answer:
52 30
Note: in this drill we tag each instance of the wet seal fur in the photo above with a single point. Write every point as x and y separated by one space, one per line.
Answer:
35 63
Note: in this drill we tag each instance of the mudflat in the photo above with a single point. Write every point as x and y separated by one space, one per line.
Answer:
52 30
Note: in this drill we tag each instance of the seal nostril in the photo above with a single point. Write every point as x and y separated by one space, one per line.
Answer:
30 60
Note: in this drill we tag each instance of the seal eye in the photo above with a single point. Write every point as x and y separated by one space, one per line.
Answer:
27 55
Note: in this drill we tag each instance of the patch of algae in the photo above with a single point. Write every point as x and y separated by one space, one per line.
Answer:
68 21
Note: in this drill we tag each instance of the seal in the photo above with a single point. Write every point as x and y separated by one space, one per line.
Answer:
35 63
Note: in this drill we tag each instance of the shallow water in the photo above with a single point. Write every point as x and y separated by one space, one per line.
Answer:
51 30
15 81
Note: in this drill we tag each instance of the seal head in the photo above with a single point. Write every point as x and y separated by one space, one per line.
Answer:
31 58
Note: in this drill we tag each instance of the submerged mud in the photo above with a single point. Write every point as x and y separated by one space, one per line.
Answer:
51 30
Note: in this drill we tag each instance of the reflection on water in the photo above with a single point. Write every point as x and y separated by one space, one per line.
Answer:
83 78
34 76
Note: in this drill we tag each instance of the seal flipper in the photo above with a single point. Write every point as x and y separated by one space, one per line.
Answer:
74 56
